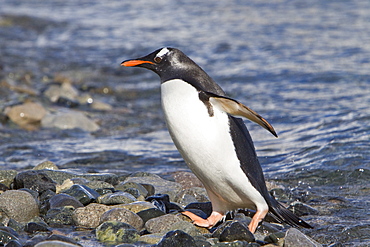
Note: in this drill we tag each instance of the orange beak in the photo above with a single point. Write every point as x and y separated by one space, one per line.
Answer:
131 63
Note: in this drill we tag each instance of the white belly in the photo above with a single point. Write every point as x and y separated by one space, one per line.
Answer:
207 147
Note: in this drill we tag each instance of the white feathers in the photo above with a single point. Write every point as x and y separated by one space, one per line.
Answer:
163 52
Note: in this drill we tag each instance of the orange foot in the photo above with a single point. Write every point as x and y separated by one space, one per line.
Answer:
212 220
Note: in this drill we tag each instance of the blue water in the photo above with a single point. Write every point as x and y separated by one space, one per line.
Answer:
302 65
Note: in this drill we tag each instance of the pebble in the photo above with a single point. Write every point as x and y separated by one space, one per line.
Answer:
90 215
19 205
116 198
82 193
150 213
236 231
56 243
116 232
61 200
69 120
295 238
7 177
162 223
177 238
27 115
60 216
123 215
46 165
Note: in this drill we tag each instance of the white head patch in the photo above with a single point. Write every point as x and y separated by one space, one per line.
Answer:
163 52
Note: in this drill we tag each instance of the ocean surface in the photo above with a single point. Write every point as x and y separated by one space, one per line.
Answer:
302 65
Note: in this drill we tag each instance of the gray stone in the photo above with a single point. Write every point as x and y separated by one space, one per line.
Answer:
236 231
18 205
7 177
116 232
123 215
187 179
90 215
150 213
82 193
60 216
127 185
27 115
55 243
6 237
116 198
295 238
35 180
301 209
61 200
32 227
162 223
46 165
61 176
69 120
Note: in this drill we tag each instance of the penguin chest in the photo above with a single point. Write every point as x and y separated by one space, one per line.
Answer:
207 147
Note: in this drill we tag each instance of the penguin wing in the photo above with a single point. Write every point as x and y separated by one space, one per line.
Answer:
236 108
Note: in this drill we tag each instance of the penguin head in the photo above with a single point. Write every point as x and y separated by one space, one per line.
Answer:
163 61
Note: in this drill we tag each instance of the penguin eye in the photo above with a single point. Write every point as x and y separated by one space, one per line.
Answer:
157 59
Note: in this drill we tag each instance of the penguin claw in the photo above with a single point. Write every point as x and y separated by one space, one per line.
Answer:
212 220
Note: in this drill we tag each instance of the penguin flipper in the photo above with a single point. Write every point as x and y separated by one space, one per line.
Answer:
236 108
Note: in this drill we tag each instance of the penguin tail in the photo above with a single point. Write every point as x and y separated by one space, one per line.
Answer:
282 214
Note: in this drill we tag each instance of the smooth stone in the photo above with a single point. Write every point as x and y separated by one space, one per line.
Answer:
302 209
33 227
162 202
82 193
137 206
7 177
60 216
161 185
194 194
116 198
65 239
186 227
116 232
46 165
151 238
177 238
65 90
275 238
150 213
56 243
90 215
62 200
101 187
35 180
27 115
123 215
236 231
187 179
101 106
162 223
295 238
69 120
6 237
14 243
19 205
60 176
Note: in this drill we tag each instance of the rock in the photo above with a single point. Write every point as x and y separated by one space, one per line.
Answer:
90 215
116 198
63 238
101 106
33 227
27 115
69 120
205 207
123 215
101 187
295 238
186 227
14 243
116 232
128 185
187 179
6 237
61 176
151 238
46 165
82 193
7 177
236 231
194 194
161 185
177 239
237 243
34 180
150 213
60 216
301 209
18 205
61 200
137 206
162 223
55 243
275 238
65 90
162 202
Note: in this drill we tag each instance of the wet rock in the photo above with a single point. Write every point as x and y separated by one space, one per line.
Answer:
123 215
3 188
151 238
161 185
101 187
205 207
90 215
186 227
14 243
177 239
301 209
116 232
61 200
236 231
46 165
116 198
61 176
295 238
33 227
55 243
187 179
129 185
27 115
150 213
162 202
137 206
60 216
34 180
237 243
69 120
7 177
82 193
6 237
65 239
18 205
275 238
161 223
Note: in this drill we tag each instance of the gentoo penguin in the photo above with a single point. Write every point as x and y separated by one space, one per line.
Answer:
204 125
